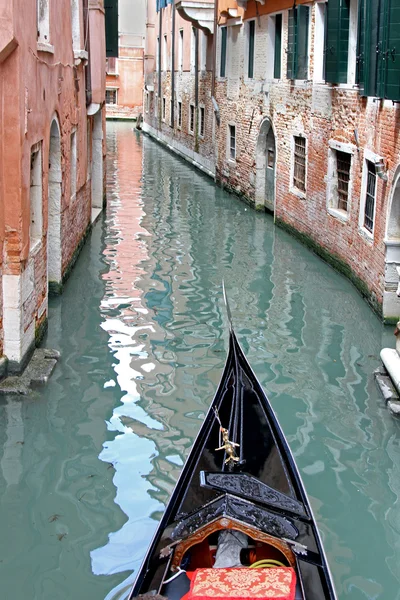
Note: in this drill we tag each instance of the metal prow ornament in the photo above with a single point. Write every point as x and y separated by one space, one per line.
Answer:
229 447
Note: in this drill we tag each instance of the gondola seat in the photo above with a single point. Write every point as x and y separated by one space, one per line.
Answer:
242 584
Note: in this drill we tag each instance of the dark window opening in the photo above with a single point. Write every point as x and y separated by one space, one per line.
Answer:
343 161
299 174
370 197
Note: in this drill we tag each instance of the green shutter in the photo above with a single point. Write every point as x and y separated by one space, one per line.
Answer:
303 18
389 57
337 41
278 47
250 69
371 32
223 52
111 20
291 49
360 71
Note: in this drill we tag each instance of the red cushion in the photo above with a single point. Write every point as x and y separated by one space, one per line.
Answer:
239 584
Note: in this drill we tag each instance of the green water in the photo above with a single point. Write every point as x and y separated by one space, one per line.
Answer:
88 463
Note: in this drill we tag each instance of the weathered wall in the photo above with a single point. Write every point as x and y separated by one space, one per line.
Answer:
43 104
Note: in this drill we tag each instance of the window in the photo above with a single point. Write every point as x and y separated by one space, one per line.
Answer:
111 96
147 100
378 56
278 46
299 172
179 114
193 49
251 34
180 50
319 42
232 142
164 108
337 41
76 28
222 66
191 119
43 21
73 164
111 66
35 195
297 50
203 51
158 55
171 112
343 164
201 118
370 197
165 54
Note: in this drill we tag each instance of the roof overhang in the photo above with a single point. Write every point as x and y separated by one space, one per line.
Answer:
200 14
243 3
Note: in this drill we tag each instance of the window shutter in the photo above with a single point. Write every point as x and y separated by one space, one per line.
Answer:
222 69
389 71
278 47
291 49
337 41
250 69
111 20
360 72
303 17
371 36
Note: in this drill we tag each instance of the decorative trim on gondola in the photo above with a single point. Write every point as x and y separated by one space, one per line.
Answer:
242 510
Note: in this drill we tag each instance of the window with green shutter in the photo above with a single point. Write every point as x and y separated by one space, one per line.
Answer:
337 41
297 51
278 47
111 21
378 54
222 66
250 66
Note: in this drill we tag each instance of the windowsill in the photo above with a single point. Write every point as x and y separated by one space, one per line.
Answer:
296 192
73 198
301 83
116 75
179 127
191 132
45 47
81 56
348 86
367 235
339 214
35 246
232 162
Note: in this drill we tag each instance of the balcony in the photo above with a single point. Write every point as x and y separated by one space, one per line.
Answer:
200 13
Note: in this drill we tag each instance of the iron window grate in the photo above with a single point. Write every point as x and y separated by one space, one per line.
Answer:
299 175
202 114
191 123
343 161
370 198
111 96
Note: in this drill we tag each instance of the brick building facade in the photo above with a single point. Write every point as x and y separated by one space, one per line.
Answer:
291 107
52 86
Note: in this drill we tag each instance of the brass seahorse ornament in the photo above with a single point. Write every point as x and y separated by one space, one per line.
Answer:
229 447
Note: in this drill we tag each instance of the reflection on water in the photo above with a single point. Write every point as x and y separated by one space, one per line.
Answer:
142 330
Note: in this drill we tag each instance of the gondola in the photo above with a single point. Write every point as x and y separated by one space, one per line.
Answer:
239 523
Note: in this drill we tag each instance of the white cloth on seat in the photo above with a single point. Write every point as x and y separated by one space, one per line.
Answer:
230 543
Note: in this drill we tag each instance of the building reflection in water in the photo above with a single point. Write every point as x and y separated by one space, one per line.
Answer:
172 237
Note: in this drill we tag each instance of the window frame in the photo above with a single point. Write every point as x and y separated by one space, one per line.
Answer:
332 199
292 67
223 52
179 120
180 49
192 113
369 157
250 49
114 90
164 109
231 126
202 120
293 188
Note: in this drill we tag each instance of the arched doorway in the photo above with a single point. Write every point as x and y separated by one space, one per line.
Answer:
54 211
265 167
391 301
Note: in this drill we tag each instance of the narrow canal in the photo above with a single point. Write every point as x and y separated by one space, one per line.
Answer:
88 463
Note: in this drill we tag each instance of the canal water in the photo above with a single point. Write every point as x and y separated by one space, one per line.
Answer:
88 463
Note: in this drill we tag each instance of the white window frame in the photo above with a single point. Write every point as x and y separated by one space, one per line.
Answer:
219 51
43 27
180 50
192 49
228 142
363 231
74 160
191 105
247 53
271 33
292 188
179 115
36 197
165 53
319 42
112 89
202 121
331 188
